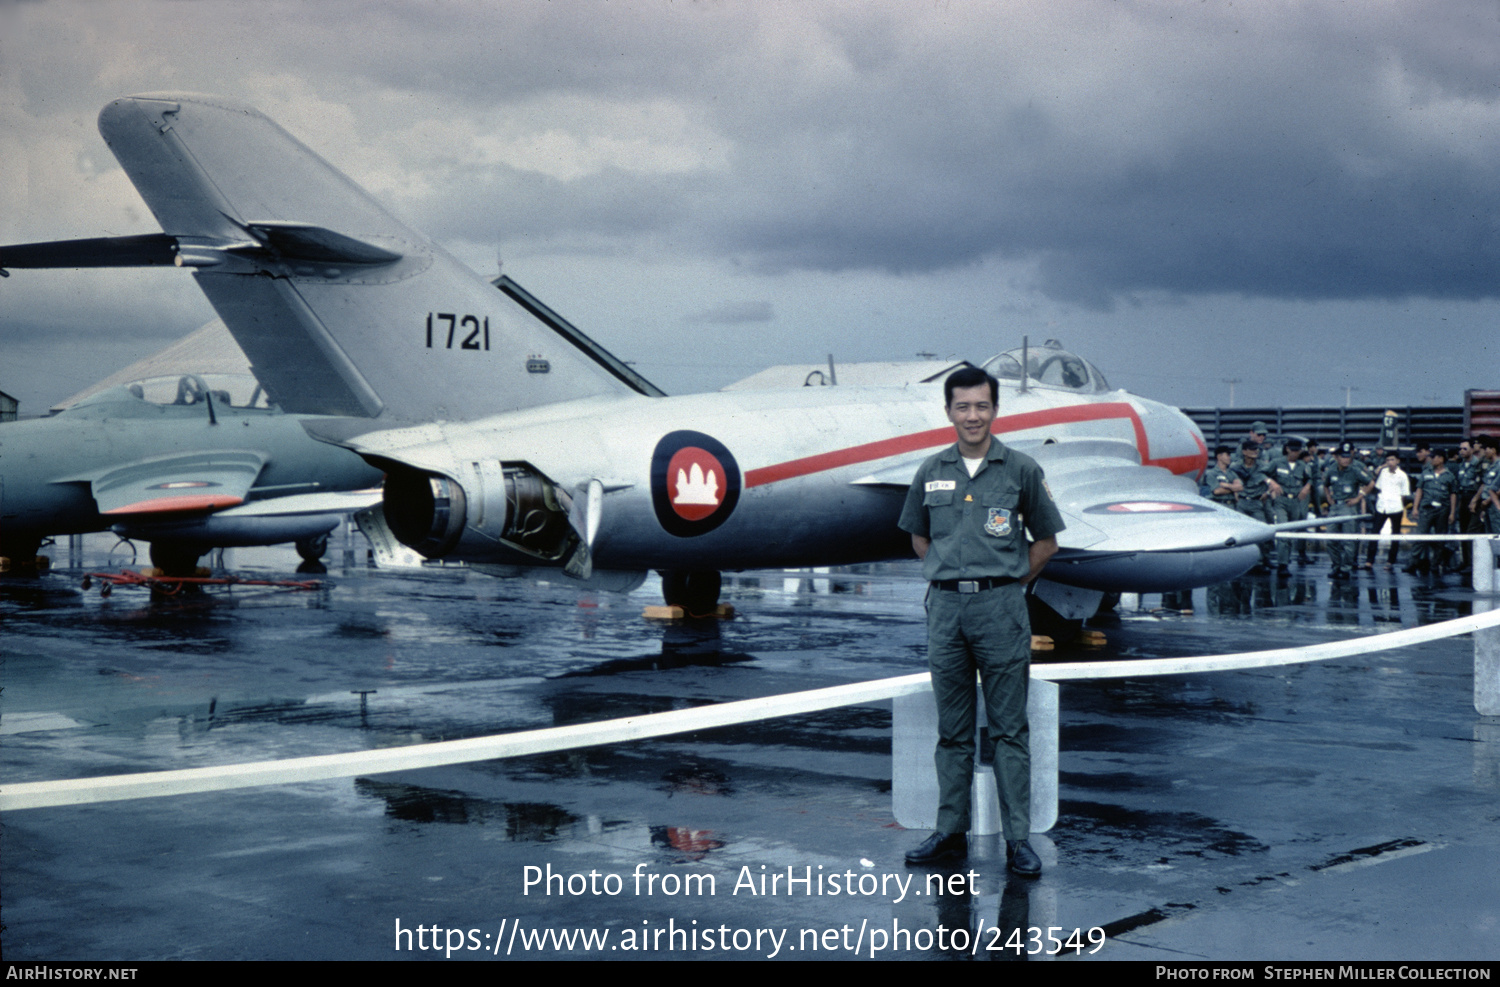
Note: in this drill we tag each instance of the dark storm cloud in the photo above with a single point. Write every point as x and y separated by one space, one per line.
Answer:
1294 151
1306 162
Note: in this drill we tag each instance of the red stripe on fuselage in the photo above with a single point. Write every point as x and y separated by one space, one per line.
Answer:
933 438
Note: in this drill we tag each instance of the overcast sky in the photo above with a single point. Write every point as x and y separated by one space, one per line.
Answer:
1300 196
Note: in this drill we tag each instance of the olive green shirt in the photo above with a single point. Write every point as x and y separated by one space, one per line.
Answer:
1341 485
1438 490
978 526
1216 478
1292 476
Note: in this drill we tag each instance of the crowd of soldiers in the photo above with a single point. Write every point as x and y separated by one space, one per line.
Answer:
1456 491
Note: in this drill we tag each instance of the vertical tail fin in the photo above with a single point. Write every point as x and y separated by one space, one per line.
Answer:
341 308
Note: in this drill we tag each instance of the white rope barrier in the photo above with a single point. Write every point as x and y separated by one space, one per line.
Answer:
151 784
1137 668
1338 536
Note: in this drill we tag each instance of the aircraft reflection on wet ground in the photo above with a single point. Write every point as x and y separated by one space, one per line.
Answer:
1343 810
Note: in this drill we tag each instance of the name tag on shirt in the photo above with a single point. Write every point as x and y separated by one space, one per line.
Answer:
939 485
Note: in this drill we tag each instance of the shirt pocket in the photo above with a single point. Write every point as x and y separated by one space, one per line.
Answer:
998 513
942 514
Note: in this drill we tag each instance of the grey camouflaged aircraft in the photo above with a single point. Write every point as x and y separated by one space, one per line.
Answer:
511 439
187 462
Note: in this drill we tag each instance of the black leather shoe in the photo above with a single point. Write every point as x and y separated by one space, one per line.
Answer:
940 848
1021 859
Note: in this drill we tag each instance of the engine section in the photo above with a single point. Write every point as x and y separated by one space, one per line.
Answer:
492 511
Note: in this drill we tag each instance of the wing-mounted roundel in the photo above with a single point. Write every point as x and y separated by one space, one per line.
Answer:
1147 507
695 483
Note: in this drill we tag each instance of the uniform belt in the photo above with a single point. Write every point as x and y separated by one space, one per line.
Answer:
972 585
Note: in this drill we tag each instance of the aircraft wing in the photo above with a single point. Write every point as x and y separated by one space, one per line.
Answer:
196 482
1112 503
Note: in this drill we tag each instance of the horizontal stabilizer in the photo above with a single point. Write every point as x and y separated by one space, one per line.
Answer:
271 242
176 484
150 250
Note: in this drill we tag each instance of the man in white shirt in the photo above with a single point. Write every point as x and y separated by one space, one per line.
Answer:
1392 491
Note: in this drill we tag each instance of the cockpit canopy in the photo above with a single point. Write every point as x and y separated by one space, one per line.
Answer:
1050 365
227 391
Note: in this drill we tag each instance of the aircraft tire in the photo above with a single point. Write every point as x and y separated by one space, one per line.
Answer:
21 549
696 591
175 559
313 549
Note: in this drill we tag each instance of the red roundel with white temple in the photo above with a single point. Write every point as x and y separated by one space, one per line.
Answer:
695 483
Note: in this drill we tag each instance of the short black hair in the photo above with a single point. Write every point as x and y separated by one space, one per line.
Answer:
1219 450
970 377
1488 441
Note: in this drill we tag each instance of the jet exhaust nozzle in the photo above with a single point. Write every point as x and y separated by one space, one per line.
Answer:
497 511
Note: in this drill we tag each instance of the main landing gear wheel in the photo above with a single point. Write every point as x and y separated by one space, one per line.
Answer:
314 548
174 560
312 551
18 554
696 591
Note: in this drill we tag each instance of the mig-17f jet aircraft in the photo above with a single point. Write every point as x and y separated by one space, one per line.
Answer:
509 438
185 461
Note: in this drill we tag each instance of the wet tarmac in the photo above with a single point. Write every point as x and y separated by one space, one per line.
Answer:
1345 810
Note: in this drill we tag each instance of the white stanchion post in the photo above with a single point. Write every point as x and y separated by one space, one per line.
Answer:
1487 640
1042 715
1042 709
1484 564
914 791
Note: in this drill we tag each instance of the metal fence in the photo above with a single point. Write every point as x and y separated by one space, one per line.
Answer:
1439 427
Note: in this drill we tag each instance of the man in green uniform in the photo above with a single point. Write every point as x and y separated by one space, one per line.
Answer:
1255 437
1318 463
1469 470
968 511
1294 477
1221 483
1344 490
1435 505
1486 503
1255 499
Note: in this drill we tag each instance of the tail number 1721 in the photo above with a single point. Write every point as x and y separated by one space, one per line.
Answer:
473 333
